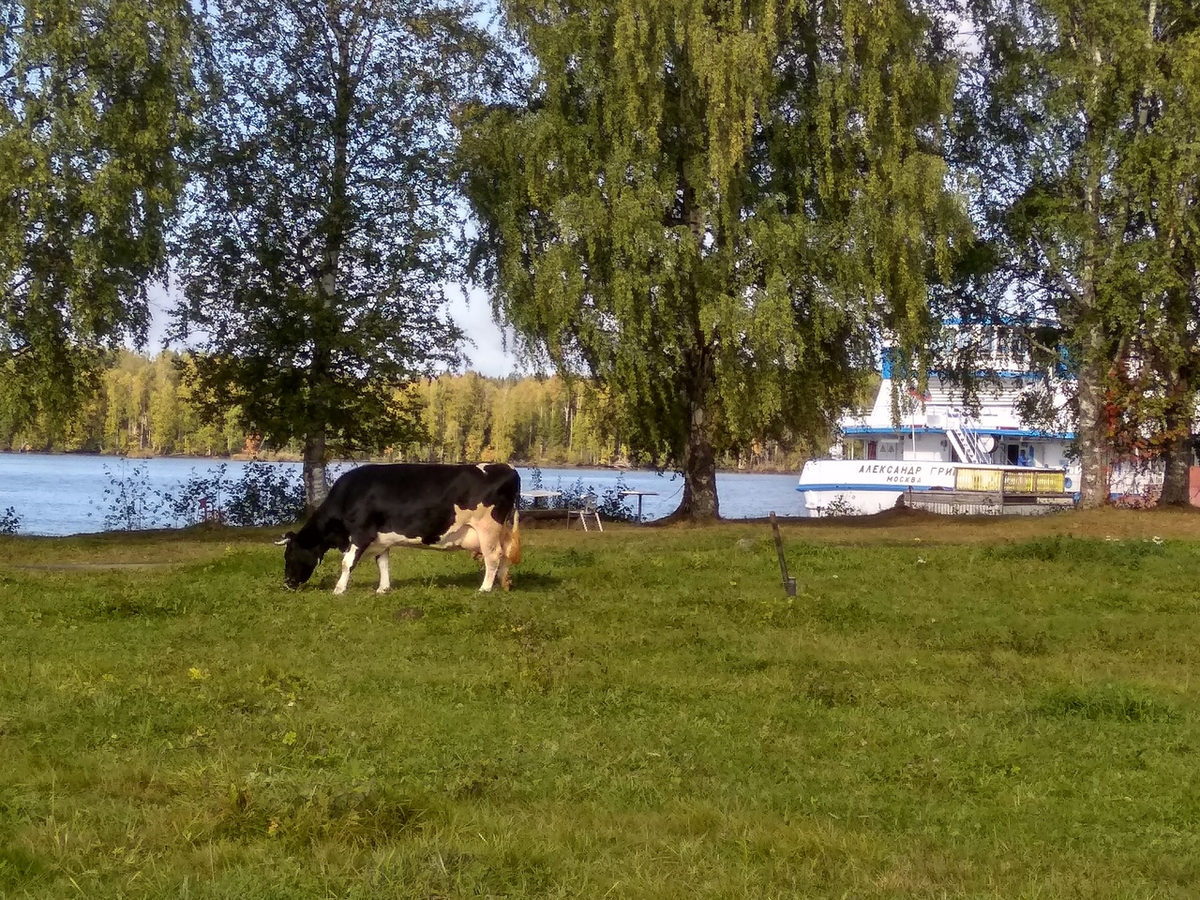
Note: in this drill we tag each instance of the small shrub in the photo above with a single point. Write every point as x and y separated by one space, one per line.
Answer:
130 504
10 522
840 506
199 498
263 494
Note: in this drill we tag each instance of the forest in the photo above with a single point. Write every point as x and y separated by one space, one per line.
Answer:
143 408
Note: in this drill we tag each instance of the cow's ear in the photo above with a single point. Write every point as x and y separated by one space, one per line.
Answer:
287 539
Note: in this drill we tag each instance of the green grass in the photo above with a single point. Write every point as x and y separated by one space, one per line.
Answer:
994 709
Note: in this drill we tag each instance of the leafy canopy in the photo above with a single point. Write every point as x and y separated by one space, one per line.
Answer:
318 235
716 208
94 101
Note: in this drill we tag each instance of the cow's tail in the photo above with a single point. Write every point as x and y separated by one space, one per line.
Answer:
514 543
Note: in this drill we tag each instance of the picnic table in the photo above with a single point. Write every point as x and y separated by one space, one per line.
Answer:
539 494
639 495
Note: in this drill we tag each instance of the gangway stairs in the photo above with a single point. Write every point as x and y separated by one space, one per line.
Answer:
966 445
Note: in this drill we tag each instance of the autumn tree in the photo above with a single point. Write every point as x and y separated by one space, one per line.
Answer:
1080 123
1160 250
317 244
94 100
717 210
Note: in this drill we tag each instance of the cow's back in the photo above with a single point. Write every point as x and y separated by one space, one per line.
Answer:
418 500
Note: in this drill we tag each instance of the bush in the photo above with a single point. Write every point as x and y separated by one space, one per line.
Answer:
200 498
263 494
840 506
10 522
130 503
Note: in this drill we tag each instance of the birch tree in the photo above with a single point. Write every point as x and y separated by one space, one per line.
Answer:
94 102
1082 126
716 209
318 243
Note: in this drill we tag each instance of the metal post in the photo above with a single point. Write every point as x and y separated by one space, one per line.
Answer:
789 584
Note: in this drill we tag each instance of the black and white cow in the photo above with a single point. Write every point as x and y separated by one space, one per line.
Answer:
373 508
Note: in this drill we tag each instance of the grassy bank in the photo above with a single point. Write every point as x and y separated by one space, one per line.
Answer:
948 708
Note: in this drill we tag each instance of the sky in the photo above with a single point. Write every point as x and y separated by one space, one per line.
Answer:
469 309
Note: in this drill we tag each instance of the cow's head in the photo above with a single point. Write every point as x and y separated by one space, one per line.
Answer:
298 562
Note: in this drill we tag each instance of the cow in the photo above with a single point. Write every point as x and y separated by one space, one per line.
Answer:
373 508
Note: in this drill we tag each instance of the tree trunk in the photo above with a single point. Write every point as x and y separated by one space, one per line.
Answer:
700 473
700 462
1094 455
1177 455
316 485
1178 459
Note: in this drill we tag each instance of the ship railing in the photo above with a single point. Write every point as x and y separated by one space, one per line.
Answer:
1009 482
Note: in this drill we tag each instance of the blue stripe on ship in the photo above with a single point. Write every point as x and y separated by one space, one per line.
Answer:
868 487
998 431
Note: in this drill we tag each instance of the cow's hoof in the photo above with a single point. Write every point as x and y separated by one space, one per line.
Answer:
382 590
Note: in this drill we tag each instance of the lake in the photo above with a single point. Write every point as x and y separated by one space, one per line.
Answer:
64 494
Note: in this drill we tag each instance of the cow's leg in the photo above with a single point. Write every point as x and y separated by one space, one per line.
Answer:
492 551
349 558
502 570
385 576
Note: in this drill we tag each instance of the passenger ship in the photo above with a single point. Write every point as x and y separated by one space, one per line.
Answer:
941 458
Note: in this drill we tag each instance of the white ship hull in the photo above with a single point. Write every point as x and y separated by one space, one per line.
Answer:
840 487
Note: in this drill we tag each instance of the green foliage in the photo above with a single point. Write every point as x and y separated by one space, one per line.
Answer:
715 209
645 715
94 101
316 247
262 494
129 501
1078 136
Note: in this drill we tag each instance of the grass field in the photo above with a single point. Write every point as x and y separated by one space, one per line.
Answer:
948 708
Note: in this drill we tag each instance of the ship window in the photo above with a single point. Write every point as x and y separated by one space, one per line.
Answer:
872 450
856 448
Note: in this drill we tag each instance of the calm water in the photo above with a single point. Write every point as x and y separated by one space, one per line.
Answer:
65 494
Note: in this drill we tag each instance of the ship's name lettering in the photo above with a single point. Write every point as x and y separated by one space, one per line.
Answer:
901 474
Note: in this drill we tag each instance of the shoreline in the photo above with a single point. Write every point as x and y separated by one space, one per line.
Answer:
291 458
